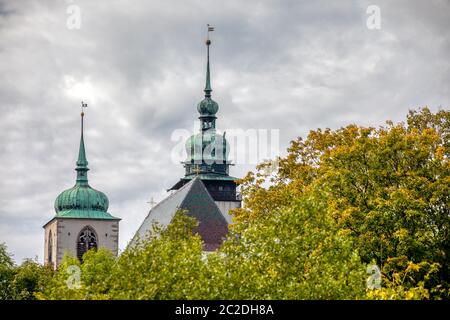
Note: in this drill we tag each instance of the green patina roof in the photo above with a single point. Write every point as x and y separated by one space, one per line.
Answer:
210 176
82 201
203 177
207 107
207 145
85 214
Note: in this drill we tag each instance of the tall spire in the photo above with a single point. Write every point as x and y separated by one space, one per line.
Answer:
82 201
208 76
207 107
82 161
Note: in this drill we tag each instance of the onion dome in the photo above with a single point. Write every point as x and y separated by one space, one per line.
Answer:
207 146
207 107
82 201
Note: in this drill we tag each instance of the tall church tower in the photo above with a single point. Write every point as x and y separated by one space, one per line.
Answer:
206 192
81 221
208 153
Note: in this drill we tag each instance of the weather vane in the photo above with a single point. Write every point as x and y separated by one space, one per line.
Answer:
210 29
83 105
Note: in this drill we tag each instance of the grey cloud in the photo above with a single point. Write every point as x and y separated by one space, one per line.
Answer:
288 65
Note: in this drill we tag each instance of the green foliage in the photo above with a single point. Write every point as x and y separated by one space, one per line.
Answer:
87 280
6 273
5 257
388 187
398 286
292 253
30 277
167 264
66 283
21 282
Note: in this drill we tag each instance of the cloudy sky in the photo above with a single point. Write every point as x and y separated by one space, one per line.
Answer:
283 65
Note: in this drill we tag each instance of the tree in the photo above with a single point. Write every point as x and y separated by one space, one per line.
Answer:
66 283
21 282
30 277
6 273
297 252
166 264
389 188
88 280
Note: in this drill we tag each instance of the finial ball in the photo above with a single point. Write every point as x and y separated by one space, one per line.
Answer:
208 42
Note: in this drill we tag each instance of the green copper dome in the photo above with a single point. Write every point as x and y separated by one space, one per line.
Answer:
207 146
82 201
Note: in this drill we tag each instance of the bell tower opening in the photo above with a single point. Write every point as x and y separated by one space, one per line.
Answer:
86 240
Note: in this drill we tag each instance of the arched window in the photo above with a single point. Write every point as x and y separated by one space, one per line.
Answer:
87 239
50 248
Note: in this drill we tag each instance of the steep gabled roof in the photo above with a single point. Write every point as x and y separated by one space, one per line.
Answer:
195 198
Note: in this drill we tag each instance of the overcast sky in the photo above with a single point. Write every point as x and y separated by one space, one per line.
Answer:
140 65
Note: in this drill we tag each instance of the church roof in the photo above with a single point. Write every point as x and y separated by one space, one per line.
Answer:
202 176
196 200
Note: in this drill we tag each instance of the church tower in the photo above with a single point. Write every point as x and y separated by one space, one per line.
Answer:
81 221
206 192
208 153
